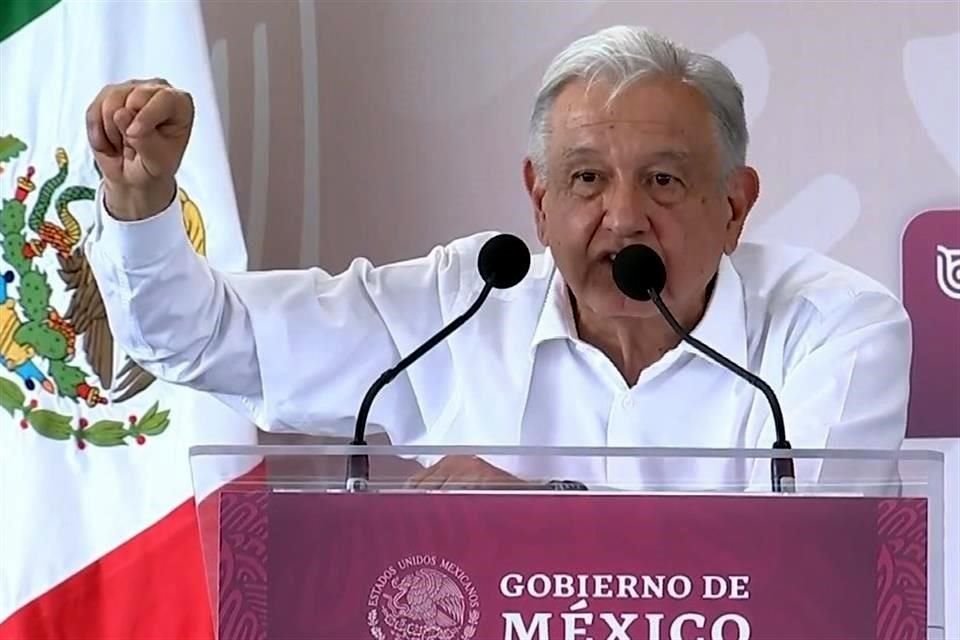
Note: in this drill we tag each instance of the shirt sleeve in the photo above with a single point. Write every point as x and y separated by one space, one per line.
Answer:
294 350
846 386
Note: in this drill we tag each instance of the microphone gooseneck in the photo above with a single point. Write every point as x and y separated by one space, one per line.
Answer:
640 274
503 262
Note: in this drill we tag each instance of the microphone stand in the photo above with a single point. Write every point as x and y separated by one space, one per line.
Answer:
782 475
358 465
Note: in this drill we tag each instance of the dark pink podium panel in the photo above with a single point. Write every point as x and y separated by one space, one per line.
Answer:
485 567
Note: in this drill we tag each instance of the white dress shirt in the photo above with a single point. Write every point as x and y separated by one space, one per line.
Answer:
296 350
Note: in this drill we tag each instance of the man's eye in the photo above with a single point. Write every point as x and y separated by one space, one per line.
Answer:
663 179
588 177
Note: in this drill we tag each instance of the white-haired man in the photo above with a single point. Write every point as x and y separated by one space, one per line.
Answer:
633 139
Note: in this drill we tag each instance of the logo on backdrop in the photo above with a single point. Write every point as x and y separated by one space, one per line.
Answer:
948 271
930 277
423 597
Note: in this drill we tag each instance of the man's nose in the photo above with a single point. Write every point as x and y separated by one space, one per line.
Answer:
625 210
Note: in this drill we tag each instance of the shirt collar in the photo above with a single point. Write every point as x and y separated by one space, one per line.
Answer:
556 320
723 325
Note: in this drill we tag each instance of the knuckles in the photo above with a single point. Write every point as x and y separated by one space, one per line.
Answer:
159 86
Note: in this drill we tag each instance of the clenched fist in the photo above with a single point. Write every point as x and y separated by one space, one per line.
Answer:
138 131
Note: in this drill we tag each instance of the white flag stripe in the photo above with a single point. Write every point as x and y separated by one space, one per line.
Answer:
63 506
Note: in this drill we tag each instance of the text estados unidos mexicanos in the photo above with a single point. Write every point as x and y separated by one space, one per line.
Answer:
580 624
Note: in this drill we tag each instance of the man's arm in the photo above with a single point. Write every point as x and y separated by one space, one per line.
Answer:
168 309
292 349
847 387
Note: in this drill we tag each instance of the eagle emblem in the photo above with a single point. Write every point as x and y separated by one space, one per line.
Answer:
436 602
38 340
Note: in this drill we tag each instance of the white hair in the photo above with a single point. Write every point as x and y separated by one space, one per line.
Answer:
621 55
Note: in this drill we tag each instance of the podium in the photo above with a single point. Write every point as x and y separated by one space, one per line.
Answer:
661 544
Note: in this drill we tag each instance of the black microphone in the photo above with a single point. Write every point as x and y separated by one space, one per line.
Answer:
640 274
503 262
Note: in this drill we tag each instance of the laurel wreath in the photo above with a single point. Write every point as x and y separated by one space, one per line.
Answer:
375 629
103 433
468 631
471 629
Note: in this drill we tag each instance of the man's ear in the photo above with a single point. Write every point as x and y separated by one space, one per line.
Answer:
743 189
536 189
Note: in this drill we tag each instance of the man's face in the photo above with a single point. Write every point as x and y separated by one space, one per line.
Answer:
645 168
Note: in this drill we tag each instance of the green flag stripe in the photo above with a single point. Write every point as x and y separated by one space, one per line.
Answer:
19 13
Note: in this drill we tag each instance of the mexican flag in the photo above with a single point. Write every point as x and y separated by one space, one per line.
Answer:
98 529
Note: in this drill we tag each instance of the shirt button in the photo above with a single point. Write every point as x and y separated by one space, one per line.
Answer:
627 402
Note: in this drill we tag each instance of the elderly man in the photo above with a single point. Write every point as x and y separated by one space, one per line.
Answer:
633 139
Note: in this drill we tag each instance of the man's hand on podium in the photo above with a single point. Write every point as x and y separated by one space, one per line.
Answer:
465 472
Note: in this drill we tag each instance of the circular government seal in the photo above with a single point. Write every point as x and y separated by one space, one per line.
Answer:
423 597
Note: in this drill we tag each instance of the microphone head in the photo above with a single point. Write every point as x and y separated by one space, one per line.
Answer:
638 268
504 261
